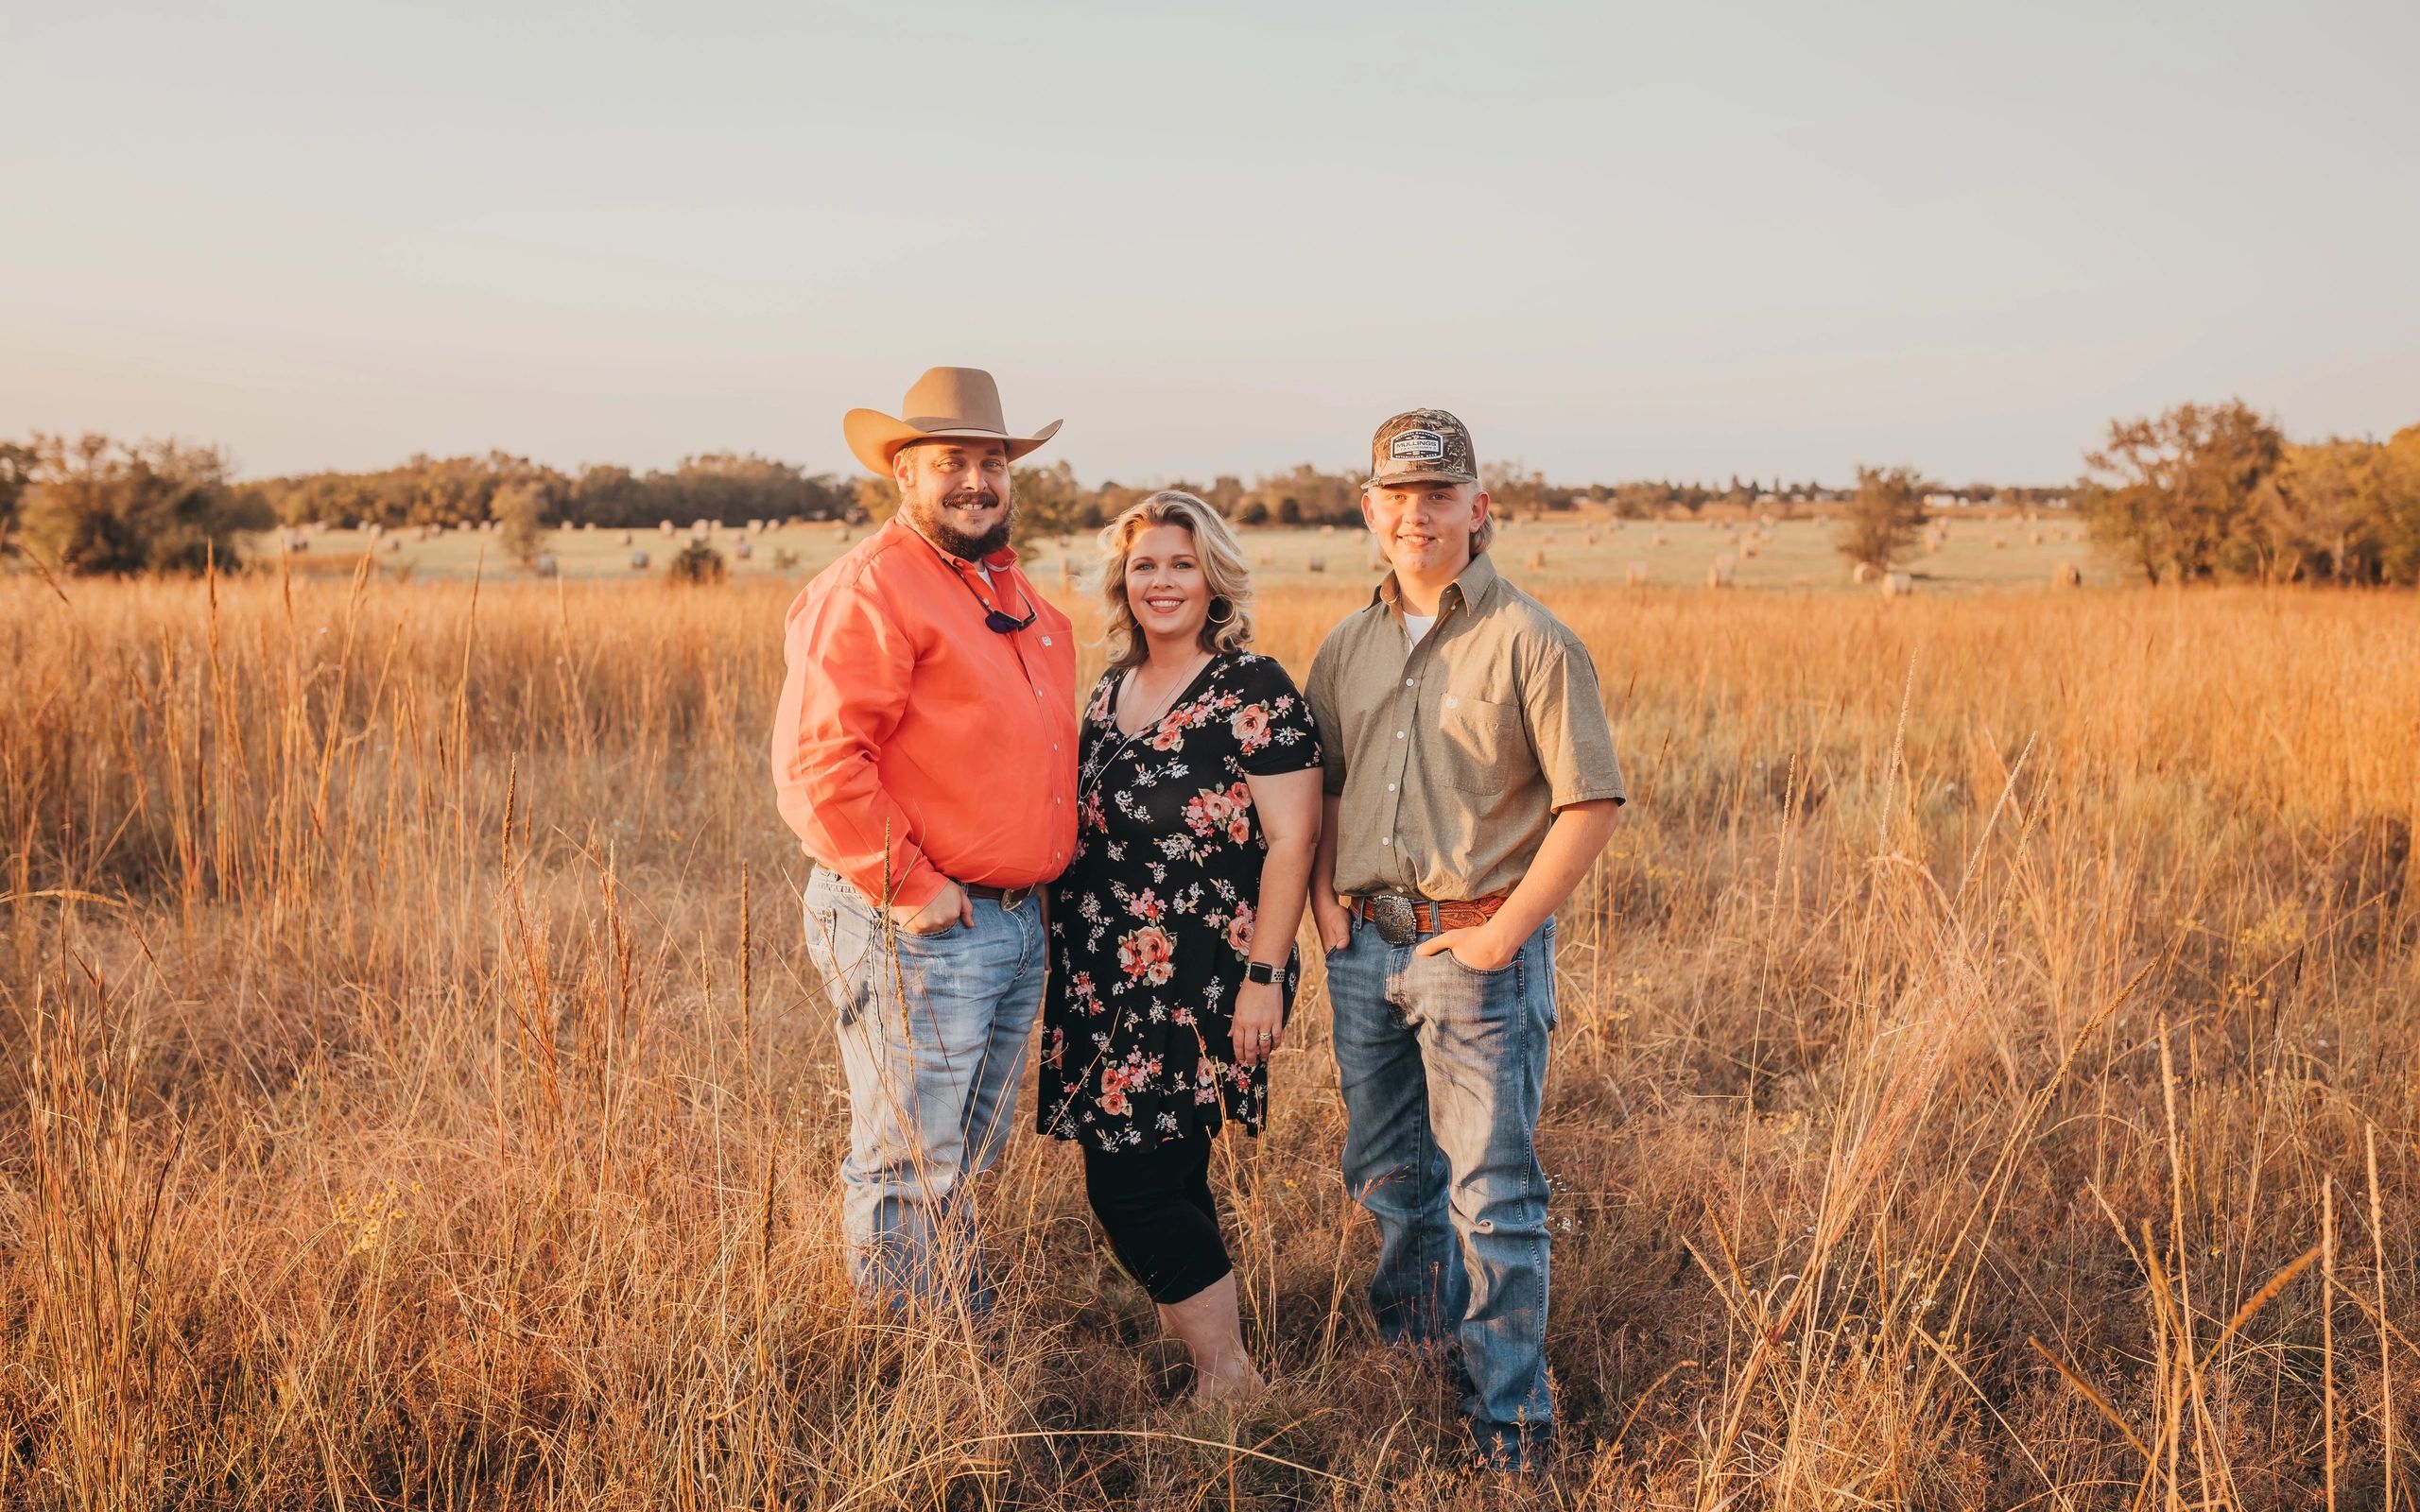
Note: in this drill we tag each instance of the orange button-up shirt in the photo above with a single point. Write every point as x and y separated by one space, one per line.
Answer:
907 726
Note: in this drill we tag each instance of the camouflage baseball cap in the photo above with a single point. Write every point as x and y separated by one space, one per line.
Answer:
1422 446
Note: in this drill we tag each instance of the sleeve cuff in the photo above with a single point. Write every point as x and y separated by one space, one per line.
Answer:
1562 801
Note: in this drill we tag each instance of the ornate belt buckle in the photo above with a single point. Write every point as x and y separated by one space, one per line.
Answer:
1393 914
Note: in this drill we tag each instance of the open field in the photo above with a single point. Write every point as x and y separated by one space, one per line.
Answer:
1985 549
1986 1078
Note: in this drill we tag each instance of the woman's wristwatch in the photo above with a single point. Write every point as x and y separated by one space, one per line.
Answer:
1260 971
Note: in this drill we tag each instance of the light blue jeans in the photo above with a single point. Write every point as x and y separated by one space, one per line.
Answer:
932 1032
1443 1069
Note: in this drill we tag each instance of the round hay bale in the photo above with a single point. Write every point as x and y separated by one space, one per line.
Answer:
545 566
1537 561
1635 574
663 527
625 538
638 561
1327 530
1864 572
2069 576
745 550
1317 565
1897 585
1720 573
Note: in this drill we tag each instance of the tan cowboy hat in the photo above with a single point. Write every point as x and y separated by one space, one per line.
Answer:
946 402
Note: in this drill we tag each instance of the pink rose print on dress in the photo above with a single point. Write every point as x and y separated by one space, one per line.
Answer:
1251 726
1239 932
1146 906
1170 736
1146 954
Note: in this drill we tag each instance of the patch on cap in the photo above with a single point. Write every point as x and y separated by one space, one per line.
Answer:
1422 446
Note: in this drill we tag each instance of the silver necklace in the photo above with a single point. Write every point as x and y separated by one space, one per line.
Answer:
1176 690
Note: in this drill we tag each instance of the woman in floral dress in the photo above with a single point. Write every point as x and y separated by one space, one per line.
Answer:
1172 930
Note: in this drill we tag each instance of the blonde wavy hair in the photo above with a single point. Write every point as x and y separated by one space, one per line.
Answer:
1222 568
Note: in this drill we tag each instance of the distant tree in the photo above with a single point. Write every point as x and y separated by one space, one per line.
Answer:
608 495
877 498
1250 512
2185 491
2395 512
93 506
16 475
1640 501
1884 517
519 509
1049 501
698 564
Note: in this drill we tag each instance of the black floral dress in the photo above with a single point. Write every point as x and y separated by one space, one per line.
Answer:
1151 923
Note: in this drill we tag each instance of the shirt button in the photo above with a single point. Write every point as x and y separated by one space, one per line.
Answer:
1383 840
1398 734
1406 682
1391 787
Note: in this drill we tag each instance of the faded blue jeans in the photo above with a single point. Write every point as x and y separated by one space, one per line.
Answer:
1443 1069
932 1032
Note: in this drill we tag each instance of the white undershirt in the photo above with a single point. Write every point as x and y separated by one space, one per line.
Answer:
1417 626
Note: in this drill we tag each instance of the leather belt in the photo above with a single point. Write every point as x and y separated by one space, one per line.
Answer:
1400 919
1007 898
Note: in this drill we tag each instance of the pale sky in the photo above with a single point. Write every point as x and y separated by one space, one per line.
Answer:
1620 241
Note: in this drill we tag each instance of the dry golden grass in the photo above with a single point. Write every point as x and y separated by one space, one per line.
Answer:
1986 1078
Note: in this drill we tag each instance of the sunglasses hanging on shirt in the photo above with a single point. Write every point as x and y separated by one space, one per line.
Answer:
999 621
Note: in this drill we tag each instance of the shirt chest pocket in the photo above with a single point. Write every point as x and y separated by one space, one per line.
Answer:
1478 742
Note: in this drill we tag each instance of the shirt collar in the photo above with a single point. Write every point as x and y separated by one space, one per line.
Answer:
1471 586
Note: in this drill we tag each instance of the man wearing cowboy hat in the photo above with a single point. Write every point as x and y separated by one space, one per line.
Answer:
925 752
1471 783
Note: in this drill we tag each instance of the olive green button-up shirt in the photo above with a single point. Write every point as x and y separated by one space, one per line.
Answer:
1450 757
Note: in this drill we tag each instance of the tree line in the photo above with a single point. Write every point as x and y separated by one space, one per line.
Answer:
2214 492
2200 493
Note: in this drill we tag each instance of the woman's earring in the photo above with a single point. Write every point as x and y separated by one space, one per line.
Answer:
1216 604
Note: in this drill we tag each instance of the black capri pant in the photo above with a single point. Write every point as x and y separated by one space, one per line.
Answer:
1155 1206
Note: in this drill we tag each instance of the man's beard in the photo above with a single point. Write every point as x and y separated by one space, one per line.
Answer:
944 532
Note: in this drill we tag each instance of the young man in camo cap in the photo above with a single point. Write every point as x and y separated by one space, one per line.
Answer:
1471 782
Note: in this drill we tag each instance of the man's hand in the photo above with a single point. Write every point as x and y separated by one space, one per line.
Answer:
1260 1008
1481 948
1333 920
951 905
